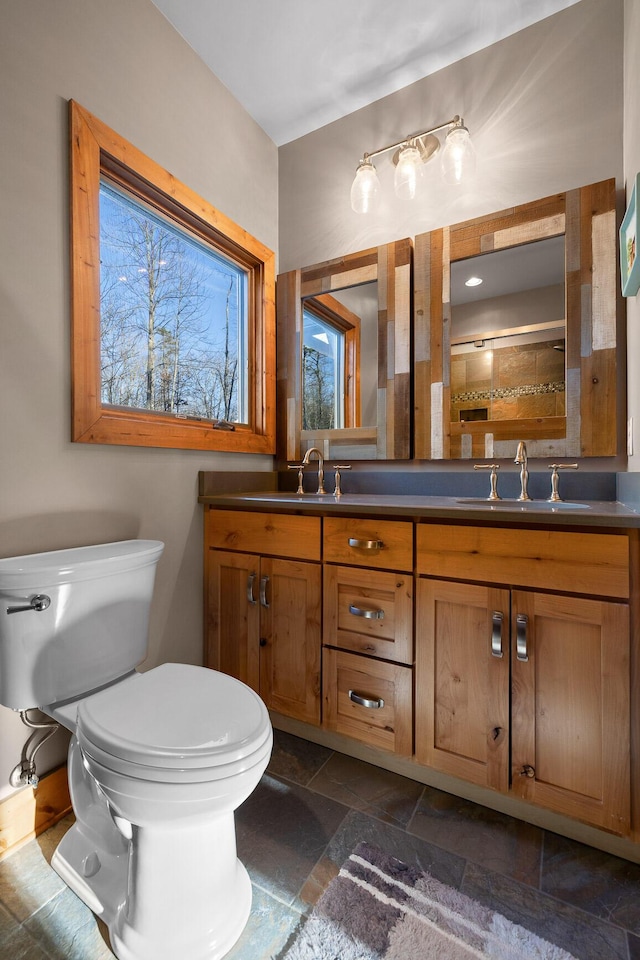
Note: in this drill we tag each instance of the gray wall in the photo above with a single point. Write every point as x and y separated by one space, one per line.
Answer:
544 108
122 61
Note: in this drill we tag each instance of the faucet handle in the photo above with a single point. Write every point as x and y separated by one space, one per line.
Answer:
300 468
494 467
554 467
338 467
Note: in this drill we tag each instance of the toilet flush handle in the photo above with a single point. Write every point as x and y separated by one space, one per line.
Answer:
40 602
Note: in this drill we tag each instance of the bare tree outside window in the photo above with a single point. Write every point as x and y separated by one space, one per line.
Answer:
173 316
322 374
318 375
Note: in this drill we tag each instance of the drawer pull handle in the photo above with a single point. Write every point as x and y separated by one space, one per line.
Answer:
365 544
250 582
521 638
368 613
496 634
366 701
263 591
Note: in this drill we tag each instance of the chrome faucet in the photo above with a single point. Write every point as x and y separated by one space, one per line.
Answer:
521 458
305 461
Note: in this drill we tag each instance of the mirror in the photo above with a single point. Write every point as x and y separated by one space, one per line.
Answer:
343 357
508 333
485 376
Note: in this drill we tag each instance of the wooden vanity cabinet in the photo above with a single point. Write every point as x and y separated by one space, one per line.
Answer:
368 645
496 655
566 645
263 611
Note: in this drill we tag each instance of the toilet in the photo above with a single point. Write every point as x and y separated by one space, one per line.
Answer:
158 761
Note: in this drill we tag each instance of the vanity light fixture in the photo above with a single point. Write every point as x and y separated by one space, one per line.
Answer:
458 160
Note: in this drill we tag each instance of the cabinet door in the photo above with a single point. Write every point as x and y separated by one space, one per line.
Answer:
570 721
462 681
290 638
234 615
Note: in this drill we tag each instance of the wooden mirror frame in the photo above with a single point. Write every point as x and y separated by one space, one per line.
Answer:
587 218
390 266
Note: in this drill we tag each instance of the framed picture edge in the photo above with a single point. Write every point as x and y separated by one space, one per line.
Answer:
630 272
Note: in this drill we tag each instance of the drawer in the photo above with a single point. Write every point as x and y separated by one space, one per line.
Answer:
369 611
384 715
571 562
383 544
274 534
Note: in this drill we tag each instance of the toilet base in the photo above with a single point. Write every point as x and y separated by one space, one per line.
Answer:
164 890
97 876
128 944
144 926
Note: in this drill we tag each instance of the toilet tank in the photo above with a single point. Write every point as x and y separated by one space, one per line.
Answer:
93 631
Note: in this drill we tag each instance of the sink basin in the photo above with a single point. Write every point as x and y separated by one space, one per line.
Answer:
285 496
544 505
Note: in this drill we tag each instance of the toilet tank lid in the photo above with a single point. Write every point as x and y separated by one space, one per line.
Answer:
175 716
77 563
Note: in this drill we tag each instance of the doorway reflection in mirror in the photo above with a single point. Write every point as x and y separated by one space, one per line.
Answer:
508 334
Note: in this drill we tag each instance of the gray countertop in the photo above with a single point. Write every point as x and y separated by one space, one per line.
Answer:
596 513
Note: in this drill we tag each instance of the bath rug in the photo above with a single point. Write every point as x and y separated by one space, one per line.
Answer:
378 908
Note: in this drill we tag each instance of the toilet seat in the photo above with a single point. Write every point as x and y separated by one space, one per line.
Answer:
176 723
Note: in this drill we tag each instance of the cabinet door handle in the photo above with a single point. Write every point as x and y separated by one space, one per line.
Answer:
369 613
496 634
366 701
263 591
250 582
365 544
521 638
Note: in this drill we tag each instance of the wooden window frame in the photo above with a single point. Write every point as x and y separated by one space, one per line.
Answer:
97 151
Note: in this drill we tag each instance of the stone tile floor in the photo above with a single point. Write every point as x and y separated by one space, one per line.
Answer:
310 810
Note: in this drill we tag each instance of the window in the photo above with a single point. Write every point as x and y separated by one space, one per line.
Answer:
330 348
173 311
322 375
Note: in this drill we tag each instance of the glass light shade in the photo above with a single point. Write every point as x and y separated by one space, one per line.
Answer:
458 157
408 172
365 189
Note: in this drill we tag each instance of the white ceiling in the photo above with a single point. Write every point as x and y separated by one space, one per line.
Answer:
296 65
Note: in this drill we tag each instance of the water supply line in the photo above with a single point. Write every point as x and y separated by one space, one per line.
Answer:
24 773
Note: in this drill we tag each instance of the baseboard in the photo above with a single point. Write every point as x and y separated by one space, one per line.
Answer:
30 811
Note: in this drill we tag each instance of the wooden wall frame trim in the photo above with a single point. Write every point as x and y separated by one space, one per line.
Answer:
96 148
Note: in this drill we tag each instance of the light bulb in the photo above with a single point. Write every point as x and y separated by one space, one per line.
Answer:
365 189
408 172
458 157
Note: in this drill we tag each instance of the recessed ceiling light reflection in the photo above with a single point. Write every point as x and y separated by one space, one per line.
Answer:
473 282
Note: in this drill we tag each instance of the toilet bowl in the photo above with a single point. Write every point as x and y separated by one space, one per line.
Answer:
158 761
